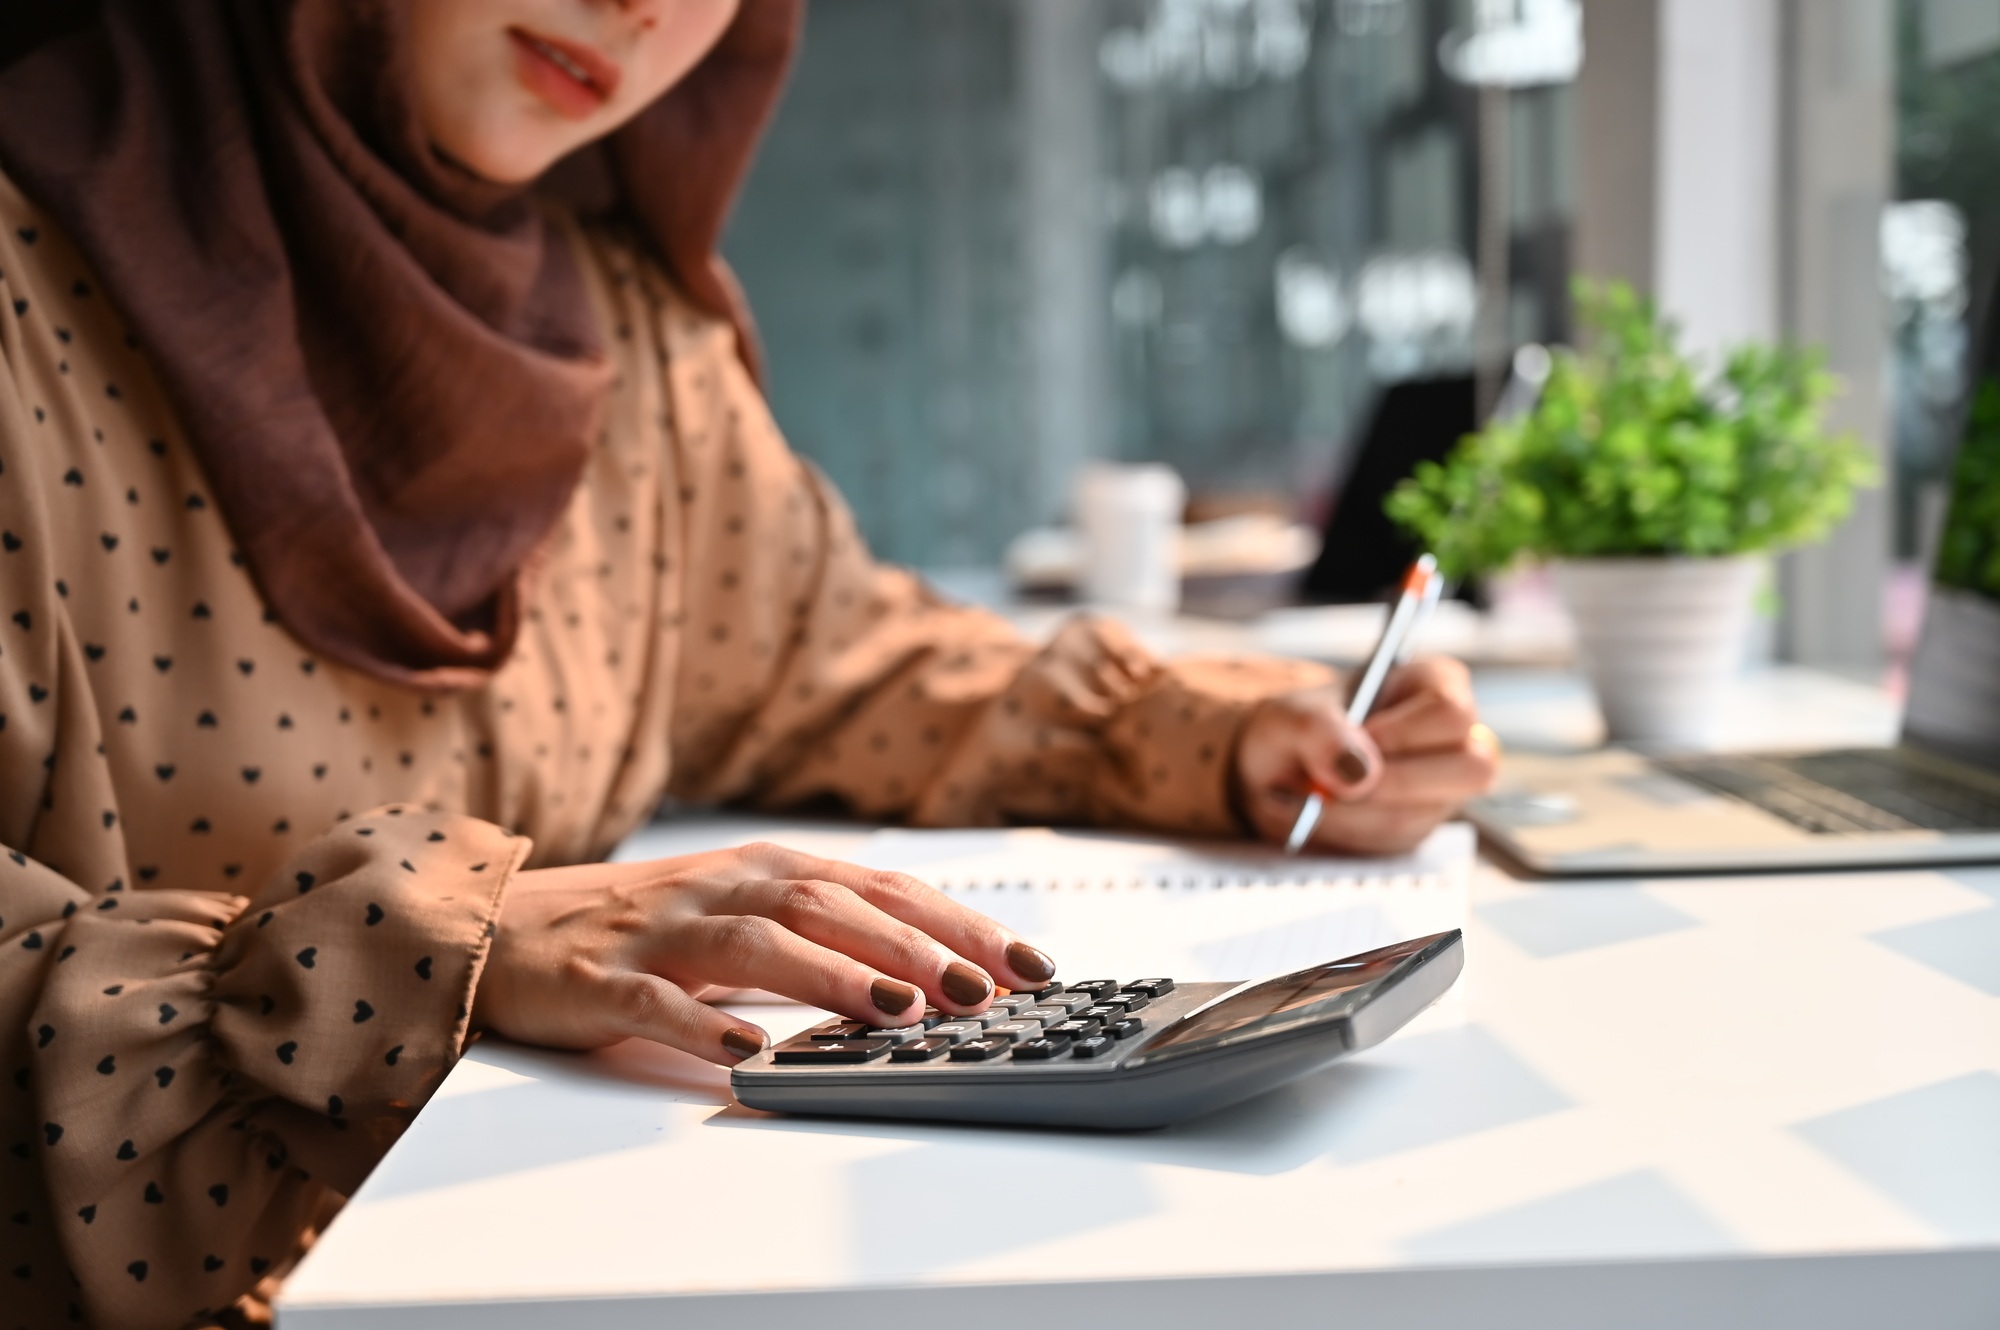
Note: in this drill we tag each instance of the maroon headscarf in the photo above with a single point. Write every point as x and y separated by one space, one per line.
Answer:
389 368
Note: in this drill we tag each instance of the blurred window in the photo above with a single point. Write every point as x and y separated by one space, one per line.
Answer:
990 239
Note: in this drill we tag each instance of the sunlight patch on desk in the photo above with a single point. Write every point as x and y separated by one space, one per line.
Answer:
1557 921
477 1075
1634 1216
1964 946
983 1202
515 1128
1934 1150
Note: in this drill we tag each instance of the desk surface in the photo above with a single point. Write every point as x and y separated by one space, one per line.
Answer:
1762 1102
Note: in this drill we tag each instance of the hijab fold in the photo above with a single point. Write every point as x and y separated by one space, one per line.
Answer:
390 369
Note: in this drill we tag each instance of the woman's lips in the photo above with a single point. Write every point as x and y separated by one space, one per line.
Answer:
575 80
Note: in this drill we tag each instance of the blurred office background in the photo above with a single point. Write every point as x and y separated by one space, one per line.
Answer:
990 240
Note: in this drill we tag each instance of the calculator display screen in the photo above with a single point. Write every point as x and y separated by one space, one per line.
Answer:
1287 1000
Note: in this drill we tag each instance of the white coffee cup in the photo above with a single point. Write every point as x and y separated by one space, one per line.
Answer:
1130 520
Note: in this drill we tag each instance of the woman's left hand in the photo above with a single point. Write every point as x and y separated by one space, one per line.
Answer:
1419 756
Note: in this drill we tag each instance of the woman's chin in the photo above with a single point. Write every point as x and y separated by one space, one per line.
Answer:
515 150
508 168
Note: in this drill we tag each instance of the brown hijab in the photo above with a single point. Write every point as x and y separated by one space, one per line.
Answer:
389 368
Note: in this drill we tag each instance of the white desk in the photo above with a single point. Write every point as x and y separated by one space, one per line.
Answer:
1693 1104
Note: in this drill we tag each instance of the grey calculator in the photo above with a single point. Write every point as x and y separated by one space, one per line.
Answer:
1105 1052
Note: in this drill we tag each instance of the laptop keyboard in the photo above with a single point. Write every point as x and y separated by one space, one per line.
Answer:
1847 791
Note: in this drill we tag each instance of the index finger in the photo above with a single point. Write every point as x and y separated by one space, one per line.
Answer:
1428 704
1012 962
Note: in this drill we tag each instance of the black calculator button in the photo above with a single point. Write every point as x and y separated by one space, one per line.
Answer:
1075 1029
981 1050
843 1051
1103 1015
1128 1001
1152 988
1046 990
1095 1045
1039 1050
1096 988
1126 1028
932 1016
843 1031
920 1050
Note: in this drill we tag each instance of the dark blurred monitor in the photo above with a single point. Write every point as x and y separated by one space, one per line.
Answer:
1365 554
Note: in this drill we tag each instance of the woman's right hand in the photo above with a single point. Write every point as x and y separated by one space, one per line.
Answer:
586 956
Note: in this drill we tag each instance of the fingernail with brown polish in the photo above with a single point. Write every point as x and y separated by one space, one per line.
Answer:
965 985
1030 964
743 1043
891 997
1352 765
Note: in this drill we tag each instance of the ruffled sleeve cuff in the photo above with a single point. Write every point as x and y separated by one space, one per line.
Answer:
205 1064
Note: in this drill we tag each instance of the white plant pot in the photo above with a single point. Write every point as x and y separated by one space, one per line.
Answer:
1660 639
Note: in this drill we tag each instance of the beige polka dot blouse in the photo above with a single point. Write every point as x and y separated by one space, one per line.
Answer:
245 892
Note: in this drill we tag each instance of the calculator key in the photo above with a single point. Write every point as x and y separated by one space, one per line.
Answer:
1015 1031
1129 1001
1077 1029
1152 988
1014 1002
1095 1045
1103 1015
842 1030
1045 990
981 1050
1046 1015
901 1034
1126 1028
1069 1002
1040 1050
920 1050
1096 988
842 1051
958 1031
932 1016
991 1016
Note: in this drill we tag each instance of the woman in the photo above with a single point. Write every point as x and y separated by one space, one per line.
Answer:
380 541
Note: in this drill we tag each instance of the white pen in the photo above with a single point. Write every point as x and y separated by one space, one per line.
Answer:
1420 591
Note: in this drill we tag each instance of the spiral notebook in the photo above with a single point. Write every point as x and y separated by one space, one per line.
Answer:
1122 906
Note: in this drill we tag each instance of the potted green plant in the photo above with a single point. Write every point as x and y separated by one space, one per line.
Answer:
1657 491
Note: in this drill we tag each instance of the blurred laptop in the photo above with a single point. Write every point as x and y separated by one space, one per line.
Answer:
1934 798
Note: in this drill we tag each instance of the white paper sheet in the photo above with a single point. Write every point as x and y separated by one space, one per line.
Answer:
1120 906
